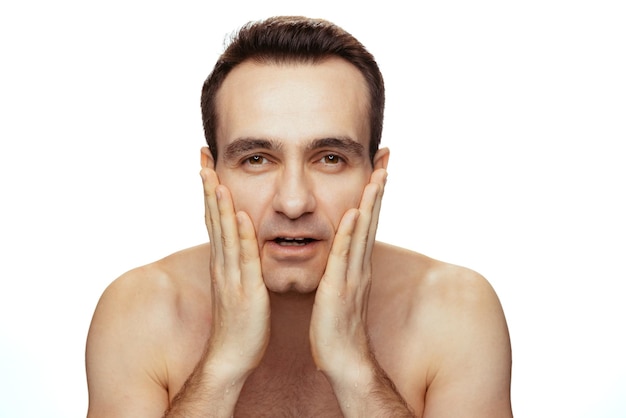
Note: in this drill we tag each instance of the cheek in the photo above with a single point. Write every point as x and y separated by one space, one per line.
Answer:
337 200
250 196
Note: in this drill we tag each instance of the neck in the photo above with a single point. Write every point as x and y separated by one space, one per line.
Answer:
290 320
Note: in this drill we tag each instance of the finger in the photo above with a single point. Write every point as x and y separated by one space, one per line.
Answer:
229 237
211 215
361 233
380 178
337 264
250 262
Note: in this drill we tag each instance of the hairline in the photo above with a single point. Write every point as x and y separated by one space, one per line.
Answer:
295 39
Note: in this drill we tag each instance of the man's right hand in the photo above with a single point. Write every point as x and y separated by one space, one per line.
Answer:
240 322
240 302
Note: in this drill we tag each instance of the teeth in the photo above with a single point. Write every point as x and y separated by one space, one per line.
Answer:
292 241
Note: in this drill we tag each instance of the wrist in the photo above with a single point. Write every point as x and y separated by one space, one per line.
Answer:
214 386
365 390
352 377
225 371
352 388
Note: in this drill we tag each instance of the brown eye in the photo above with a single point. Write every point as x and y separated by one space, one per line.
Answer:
255 160
331 159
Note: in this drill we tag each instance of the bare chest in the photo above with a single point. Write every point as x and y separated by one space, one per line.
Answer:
279 394
291 391
271 392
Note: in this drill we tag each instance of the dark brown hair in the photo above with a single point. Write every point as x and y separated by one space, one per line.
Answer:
294 39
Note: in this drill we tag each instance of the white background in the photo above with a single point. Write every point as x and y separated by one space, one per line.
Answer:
506 122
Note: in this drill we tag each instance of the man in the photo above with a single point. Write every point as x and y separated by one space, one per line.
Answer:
294 309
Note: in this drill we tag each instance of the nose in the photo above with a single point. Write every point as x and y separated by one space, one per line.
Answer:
294 194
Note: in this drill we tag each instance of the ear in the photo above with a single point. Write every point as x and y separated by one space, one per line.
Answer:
206 158
381 158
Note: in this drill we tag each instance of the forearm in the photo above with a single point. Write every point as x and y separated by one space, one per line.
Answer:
369 392
210 391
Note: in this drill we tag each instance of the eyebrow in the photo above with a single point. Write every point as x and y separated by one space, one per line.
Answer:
345 144
243 145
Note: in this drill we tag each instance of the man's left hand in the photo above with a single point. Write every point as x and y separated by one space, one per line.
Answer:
338 332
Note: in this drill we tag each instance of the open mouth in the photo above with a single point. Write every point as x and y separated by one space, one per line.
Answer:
293 241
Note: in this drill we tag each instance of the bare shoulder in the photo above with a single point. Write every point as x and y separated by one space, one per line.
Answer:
140 321
432 284
448 299
153 294
454 323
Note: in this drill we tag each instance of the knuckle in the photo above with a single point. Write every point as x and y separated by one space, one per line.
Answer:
228 242
215 224
246 256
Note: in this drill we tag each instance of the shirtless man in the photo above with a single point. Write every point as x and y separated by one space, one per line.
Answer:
294 309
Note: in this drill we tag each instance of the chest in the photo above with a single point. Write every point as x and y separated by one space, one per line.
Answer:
287 394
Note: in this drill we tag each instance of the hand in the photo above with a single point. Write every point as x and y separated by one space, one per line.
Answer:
338 332
240 301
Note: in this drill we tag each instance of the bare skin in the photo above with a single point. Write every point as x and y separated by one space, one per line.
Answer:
261 323
443 333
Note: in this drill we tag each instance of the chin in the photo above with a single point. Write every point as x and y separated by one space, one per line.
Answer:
292 281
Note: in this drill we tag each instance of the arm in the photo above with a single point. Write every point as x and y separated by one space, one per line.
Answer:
461 318
123 354
127 357
338 333
137 320
468 330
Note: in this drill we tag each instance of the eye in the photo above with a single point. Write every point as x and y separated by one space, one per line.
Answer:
255 160
331 159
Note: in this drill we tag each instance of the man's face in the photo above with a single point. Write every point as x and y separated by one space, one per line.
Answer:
293 146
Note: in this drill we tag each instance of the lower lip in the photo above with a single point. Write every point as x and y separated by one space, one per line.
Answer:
292 252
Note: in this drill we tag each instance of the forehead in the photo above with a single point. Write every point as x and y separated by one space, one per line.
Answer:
293 102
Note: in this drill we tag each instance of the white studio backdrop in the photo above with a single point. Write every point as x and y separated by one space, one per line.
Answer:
506 124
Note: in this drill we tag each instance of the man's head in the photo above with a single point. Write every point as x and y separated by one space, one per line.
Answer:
289 121
293 40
